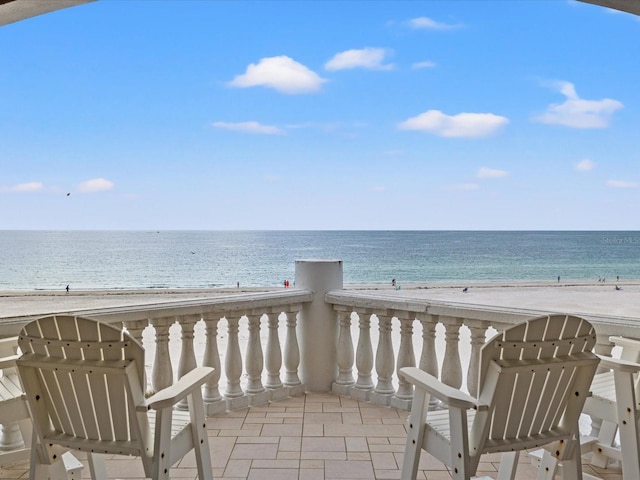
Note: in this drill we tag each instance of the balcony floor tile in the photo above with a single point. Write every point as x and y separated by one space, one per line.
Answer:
335 438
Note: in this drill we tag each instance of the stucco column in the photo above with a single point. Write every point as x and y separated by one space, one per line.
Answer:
318 326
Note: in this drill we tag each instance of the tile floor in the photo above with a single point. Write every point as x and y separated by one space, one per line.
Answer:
311 437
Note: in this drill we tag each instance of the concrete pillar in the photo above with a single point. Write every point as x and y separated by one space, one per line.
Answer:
318 326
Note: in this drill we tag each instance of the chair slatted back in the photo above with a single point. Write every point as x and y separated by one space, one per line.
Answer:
86 373
534 377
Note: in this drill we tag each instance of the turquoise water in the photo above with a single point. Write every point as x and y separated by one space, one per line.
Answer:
149 259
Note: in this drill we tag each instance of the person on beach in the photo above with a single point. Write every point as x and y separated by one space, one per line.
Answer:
67 289
558 278
393 282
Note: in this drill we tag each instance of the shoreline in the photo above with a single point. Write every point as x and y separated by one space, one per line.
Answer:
477 284
580 297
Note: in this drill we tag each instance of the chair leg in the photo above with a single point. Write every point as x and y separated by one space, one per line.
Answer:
628 424
97 466
508 465
548 467
162 444
199 433
415 434
572 464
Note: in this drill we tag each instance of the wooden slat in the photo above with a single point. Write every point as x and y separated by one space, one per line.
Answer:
116 385
99 390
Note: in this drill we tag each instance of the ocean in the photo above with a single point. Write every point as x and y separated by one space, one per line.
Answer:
35 260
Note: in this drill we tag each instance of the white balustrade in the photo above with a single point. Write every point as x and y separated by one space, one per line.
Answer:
344 352
364 353
273 353
384 356
255 361
291 352
451 365
162 372
233 359
406 355
212 358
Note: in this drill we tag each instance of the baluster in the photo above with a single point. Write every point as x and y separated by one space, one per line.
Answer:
478 336
255 361
428 357
451 366
233 360
406 356
364 353
345 349
273 353
291 352
212 358
187 354
384 356
136 329
162 372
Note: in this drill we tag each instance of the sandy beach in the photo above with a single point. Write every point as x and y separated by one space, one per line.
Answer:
589 298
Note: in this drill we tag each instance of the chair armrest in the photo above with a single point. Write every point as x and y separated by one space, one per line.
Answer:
169 396
8 362
619 365
626 342
446 394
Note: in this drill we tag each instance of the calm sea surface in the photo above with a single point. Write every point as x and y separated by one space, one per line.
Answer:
149 259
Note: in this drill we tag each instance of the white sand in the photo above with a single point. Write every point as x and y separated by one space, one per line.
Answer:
593 298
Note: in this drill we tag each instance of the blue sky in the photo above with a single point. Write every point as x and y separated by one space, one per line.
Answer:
321 115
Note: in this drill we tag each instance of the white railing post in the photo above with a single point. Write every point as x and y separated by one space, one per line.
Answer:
273 353
452 366
364 357
345 353
292 354
135 329
187 354
233 365
318 323
385 362
162 371
406 358
478 336
211 358
255 359
428 357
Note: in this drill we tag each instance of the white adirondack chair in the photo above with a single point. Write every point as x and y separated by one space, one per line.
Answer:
615 401
533 381
16 421
85 386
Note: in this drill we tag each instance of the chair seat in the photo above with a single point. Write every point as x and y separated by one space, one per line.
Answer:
10 388
439 422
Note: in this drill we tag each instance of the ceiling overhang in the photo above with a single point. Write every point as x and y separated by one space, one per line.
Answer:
629 6
16 10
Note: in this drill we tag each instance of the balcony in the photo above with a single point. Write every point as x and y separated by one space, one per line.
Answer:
306 383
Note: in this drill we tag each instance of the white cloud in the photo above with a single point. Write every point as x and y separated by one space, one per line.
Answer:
379 188
96 185
469 125
585 165
486 173
426 23
577 112
28 187
621 184
465 187
369 58
280 73
425 64
249 127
